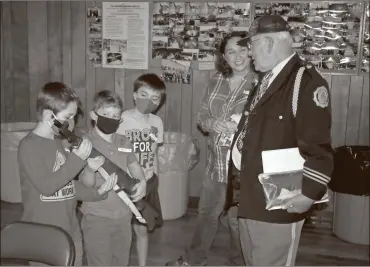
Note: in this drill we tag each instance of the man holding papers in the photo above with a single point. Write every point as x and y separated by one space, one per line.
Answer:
290 108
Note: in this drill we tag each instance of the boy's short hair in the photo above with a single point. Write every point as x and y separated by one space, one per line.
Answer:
56 96
106 98
151 80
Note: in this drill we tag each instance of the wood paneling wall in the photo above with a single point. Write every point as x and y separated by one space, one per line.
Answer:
47 41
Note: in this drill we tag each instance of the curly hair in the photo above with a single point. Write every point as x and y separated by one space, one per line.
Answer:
221 64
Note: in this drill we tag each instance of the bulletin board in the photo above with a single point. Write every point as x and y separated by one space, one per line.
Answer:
185 35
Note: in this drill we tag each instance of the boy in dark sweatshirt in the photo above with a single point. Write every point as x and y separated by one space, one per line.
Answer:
47 169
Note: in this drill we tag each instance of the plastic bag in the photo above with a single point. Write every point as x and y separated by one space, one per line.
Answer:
351 173
279 187
178 153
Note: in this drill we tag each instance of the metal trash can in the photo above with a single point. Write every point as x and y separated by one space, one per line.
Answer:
177 156
11 135
351 186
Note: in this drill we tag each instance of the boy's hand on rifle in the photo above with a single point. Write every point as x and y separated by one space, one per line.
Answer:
140 191
84 150
95 163
108 184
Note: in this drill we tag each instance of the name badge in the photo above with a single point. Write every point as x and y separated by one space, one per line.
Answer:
122 149
245 92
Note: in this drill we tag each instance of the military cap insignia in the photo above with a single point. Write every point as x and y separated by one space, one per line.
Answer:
321 97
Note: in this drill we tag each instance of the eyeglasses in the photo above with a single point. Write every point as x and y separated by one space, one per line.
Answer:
249 44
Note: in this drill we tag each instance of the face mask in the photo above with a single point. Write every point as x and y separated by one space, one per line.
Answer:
107 125
145 105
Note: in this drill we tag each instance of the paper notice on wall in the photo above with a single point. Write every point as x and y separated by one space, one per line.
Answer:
125 35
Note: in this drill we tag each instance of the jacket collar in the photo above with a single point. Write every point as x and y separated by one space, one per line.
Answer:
282 77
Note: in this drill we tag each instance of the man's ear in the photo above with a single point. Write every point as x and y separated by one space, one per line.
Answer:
93 116
134 96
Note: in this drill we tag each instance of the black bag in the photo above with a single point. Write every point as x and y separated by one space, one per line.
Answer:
351 174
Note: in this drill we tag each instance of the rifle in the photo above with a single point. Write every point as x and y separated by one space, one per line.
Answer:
145 213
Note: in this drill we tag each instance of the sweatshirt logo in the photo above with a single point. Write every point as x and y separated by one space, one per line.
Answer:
68 191
60 159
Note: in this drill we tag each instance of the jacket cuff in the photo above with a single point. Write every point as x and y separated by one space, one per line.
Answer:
313 189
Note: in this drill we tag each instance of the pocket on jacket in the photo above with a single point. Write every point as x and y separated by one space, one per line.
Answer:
274 131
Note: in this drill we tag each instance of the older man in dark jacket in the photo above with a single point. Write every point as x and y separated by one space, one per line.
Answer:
276 118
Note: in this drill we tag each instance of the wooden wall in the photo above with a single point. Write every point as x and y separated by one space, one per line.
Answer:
47 41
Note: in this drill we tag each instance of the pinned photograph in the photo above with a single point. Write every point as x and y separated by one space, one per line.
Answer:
208 14
115 45
95 51
178 31
175 43
114 52
160 53
191 31
206 55
176 71
95 44
114 58
177 8
189 54
207 37
159 19
161 30
94 14
174 54
95 29
194 10
190 43
224 23
226 10
161 8
95 58
177 21
242 9
160 41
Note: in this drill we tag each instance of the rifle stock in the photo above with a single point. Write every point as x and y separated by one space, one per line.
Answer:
124 181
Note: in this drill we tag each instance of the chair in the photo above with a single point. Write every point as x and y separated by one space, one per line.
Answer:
27 241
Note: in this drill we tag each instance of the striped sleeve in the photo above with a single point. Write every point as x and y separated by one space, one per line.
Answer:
313 129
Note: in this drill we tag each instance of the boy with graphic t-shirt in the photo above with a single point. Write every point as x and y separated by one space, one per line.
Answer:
106 224
145 130
47 170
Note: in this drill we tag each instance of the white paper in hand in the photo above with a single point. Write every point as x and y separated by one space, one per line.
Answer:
282 160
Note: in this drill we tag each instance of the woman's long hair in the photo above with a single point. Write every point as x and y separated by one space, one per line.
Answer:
221 64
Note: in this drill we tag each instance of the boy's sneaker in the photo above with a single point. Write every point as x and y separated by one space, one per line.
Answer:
179 262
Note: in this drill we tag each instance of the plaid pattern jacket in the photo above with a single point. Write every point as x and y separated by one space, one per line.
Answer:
220 102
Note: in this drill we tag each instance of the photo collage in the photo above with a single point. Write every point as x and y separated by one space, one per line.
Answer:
325 34
183 32
94 18
365 62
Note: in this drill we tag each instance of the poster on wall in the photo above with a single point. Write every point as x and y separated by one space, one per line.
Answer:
188 31
125 35
94 18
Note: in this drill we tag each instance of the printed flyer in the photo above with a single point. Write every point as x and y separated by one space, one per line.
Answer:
125 35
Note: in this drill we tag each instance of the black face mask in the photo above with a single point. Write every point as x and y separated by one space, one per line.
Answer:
107 125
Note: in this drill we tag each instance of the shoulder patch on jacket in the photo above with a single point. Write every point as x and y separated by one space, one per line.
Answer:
321 97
